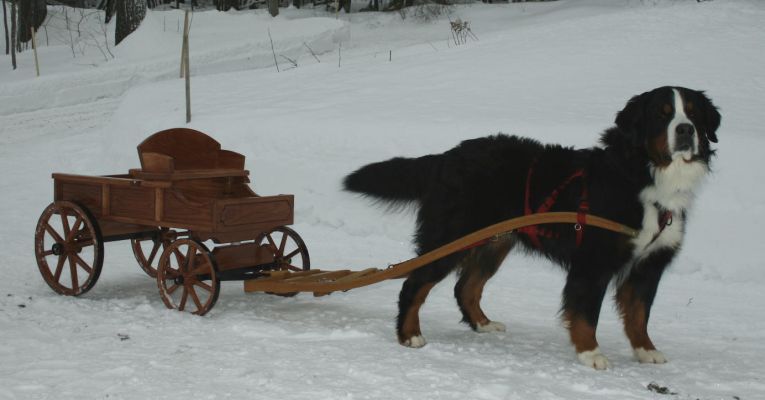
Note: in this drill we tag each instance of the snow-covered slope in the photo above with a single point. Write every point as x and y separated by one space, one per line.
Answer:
556 71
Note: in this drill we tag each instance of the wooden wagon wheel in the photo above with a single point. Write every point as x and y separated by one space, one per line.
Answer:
69 248
290 252
151 246
187 277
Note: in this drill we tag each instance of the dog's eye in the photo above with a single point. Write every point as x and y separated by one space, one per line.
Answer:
666 111
689 109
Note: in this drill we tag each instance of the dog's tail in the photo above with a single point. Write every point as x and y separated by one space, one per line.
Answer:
395 181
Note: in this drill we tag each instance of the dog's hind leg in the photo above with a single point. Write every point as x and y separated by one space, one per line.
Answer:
413 294
476 269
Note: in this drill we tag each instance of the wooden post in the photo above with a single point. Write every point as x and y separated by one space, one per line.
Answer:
13 35
185 63
34 49
183 46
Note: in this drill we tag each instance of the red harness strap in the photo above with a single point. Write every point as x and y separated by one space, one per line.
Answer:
534 232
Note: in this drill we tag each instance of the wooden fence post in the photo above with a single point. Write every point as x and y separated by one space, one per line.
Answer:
185 64
34 48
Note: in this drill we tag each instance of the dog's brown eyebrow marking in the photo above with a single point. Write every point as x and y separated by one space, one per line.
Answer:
667 109
689 106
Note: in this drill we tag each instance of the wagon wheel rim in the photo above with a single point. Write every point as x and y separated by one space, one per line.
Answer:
69 248
187 277
147 251
290 251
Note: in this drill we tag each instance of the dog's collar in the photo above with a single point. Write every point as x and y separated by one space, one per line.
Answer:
664 220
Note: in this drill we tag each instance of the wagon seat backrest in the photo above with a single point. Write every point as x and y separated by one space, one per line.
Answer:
185 149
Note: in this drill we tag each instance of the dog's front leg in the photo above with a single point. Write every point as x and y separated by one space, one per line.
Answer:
634 299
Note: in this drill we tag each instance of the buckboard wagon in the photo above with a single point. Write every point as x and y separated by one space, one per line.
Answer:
189 192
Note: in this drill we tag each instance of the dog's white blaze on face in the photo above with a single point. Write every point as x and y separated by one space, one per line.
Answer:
680 118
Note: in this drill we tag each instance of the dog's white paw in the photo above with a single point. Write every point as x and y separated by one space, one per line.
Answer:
492 326
415 342
649 356
593 358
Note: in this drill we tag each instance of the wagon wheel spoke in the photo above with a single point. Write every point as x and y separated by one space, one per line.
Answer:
191 258
204 286
47 253
172 273
184 297
154 251
82 263
59 268
195 298
292 267
86 243
65 223
173 288
271 240
73 271
283 243
179 258
53 233
75 229
293 253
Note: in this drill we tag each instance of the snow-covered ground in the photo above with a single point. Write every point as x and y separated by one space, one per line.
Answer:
556 71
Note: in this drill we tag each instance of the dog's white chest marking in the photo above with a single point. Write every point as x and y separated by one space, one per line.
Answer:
673 190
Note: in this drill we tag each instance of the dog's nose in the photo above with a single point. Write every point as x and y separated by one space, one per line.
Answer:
685 130
684 137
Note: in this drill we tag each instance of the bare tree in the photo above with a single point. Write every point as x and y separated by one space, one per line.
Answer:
130 13
13 34
5 25
31 14
273 7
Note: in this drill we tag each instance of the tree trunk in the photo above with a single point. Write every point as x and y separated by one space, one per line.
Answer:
31 13
5 25
130 13
273 7
13 35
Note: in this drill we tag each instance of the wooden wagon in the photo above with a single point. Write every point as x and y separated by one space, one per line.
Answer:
188 191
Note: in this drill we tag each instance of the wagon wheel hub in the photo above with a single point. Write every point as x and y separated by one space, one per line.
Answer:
57 249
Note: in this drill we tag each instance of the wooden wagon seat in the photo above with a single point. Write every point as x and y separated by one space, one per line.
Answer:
182 153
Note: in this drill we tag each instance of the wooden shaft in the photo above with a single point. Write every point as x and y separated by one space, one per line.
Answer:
404 268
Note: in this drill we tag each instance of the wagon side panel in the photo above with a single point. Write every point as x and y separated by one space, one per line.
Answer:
254 214
89 195
194 212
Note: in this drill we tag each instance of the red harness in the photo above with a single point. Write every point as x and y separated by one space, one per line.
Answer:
534 231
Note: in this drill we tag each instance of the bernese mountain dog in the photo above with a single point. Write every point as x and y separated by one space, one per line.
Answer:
643 174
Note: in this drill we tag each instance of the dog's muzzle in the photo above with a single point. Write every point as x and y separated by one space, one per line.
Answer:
684 135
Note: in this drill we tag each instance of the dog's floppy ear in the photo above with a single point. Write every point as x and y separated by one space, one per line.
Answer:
633 113
711 119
